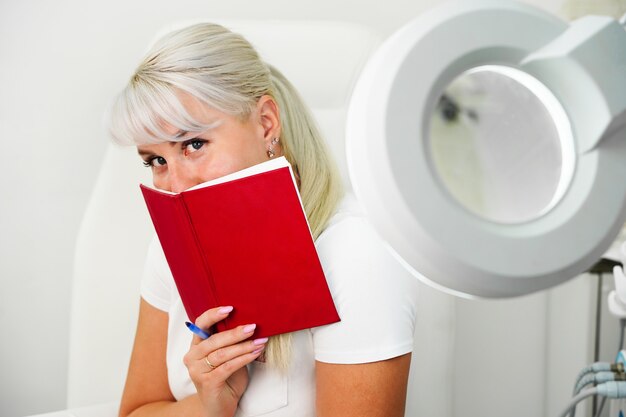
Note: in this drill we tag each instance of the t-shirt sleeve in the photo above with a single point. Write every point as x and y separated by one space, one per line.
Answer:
375 296
156 281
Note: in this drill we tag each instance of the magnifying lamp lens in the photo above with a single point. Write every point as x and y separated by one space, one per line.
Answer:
501 145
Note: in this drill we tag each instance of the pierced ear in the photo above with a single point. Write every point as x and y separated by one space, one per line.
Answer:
269 116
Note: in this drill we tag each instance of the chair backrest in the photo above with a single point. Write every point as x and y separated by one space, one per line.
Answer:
116 230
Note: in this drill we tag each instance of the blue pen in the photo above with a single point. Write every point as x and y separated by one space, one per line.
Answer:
198 331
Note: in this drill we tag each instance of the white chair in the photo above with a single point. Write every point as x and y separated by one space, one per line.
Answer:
116 229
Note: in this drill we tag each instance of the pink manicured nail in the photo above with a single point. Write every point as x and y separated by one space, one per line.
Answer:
260 341
249 328
259 350
225 310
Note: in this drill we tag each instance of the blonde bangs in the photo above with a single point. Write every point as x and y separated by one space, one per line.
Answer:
150 112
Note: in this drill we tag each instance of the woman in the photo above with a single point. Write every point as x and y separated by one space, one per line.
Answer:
201 105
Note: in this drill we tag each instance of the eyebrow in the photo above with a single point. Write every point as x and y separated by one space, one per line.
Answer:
180 134
144 153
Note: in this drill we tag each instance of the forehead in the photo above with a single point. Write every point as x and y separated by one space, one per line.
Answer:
196 110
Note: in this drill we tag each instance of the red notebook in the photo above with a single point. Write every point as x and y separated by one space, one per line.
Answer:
243 240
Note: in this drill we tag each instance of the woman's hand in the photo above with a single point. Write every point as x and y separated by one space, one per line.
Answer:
217 365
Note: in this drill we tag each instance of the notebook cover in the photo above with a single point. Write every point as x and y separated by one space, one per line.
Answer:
244 243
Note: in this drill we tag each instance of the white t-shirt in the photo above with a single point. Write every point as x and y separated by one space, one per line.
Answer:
376 299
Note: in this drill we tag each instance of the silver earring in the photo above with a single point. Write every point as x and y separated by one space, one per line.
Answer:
270 151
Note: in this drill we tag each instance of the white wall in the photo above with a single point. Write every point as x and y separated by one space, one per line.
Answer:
60 64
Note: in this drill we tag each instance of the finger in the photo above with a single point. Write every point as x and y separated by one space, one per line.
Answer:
221 340
228 353
208 319
225 370
199 366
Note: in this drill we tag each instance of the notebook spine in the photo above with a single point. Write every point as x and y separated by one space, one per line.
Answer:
214 296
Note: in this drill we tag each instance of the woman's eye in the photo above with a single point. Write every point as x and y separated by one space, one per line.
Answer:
156 161
193 145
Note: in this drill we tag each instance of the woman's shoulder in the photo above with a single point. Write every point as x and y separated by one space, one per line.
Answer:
348 232
350 245
371 290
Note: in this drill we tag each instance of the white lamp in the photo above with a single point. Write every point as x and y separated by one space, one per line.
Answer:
574 77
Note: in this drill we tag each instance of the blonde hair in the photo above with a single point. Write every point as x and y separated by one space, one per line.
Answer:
222 69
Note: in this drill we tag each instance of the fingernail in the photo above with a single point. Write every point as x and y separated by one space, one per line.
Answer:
225 310
249 328
259 350
260 341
